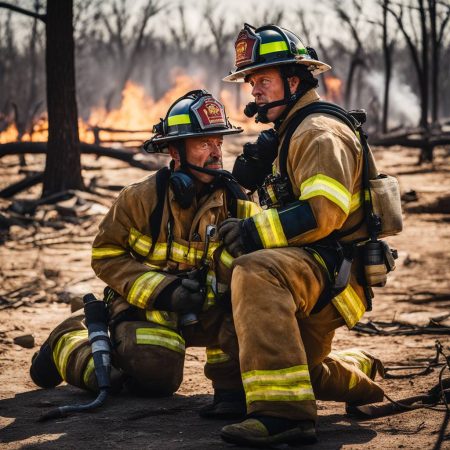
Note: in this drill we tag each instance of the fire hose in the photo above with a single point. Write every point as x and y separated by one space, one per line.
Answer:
97 325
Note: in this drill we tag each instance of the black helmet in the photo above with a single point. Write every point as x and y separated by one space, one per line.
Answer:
268 46
195 114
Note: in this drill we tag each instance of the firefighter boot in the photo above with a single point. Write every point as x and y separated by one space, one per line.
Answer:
265 431
227 404
43 370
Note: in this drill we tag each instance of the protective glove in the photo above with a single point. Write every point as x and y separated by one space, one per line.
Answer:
187 297
231 235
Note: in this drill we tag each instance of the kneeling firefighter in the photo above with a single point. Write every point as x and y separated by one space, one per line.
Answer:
154 250
304 266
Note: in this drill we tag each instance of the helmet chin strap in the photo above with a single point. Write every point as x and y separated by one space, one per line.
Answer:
184 164
261 111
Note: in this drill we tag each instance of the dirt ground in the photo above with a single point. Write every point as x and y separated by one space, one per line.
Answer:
45 266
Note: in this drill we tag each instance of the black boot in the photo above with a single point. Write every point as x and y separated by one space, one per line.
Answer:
43 370
227 404
265 431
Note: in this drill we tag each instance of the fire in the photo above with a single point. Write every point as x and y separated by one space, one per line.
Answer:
137 112
333 88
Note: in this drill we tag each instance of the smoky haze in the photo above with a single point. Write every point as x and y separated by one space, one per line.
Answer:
155 43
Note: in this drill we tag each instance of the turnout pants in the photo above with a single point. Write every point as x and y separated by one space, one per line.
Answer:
285 352
149 352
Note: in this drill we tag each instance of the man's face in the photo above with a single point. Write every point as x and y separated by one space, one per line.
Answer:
267 86
205 151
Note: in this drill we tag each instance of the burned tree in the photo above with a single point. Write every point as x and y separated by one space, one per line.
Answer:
432 17
63 165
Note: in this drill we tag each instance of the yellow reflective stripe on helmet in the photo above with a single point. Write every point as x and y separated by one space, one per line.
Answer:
272 47
247 209
328 187
107 252
349 305
163 318
356 358
355 202
65 346
269 228
160 338
143 287
88 371
290 384
180 119
214 355
226 259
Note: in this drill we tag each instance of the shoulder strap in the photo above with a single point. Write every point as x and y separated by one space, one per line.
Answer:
372 221
162 182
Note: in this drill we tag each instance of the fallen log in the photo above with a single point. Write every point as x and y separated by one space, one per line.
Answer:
21 185
133 158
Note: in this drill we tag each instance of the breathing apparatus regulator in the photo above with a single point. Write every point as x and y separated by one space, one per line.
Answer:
195 114
273 46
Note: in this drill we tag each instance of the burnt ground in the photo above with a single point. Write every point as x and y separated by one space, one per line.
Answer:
45 268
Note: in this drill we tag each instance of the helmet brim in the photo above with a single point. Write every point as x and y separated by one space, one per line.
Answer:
166 139
316 67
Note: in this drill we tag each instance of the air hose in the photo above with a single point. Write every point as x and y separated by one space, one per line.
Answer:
97 325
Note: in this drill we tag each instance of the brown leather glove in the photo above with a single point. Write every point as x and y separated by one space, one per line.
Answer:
230 233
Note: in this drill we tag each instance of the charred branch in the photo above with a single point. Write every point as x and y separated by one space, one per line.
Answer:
17 148
26 12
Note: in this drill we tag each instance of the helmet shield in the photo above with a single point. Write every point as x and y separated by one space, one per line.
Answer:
269 46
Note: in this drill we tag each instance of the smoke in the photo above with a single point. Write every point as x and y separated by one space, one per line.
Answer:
404 107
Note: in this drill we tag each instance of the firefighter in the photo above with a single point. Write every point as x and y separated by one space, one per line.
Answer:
289 255
151 251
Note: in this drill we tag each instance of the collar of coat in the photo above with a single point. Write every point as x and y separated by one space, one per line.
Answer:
310 97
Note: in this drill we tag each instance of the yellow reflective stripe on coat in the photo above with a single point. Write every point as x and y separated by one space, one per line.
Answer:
247 209
143 287
88 371
163 318
161 338
269 228
226 259
214 355
327 187
107 252
180 253
355 202
349 305
290 384
66 344
356 358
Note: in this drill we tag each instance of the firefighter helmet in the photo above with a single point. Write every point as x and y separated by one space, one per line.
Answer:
268 46
195 114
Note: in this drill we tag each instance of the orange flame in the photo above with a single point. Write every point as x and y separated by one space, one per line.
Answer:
333 89
137 112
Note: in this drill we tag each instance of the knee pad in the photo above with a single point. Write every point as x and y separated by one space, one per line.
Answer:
152 356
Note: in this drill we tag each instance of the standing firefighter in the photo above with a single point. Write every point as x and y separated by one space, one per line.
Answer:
154 250
296 276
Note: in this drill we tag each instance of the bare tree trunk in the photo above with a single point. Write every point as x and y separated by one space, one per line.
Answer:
387 49
63 165
425 66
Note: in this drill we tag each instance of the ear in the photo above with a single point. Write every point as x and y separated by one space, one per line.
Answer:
173 152
294 83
